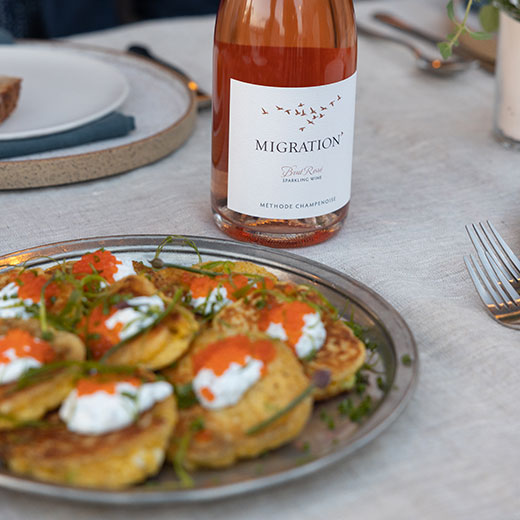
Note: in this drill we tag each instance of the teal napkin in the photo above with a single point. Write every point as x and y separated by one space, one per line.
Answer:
110 126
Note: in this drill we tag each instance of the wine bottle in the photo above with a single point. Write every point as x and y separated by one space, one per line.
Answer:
284 76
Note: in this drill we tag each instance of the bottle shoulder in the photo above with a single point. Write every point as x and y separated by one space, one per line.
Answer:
287 23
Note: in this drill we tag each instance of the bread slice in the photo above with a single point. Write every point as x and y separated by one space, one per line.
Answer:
9 93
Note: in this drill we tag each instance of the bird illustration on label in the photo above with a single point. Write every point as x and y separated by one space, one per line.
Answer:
316 114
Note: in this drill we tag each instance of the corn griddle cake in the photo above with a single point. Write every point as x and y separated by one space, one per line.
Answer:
169 279
111 461
162 345
240 267
165 342
166 280
32 402
342 354
224 438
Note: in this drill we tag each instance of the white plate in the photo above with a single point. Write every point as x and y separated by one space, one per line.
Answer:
60 90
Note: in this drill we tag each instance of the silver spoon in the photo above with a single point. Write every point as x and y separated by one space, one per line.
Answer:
437 67
416 32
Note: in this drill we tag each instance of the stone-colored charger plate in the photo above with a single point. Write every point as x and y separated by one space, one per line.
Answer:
165 111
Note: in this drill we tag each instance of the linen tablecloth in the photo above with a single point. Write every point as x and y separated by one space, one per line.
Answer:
425 164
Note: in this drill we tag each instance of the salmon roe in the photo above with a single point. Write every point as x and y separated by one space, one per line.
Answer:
290 316
104 263
218 356
25 344
235 349
30 285
92 385
95 333
201 286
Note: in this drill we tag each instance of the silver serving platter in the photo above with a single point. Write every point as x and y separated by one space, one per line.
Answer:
318 446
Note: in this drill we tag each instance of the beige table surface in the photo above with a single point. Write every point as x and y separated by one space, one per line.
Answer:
425 164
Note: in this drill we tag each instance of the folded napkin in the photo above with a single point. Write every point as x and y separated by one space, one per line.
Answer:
110 126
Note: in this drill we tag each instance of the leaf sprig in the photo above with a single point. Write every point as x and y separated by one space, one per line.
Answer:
452 40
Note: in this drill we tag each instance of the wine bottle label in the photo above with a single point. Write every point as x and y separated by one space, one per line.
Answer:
290 149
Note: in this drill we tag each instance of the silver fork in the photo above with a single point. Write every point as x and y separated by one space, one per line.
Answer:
496 280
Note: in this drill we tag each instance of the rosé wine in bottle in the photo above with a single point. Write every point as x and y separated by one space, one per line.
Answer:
283 119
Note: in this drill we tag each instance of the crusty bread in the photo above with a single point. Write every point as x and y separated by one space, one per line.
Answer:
9 93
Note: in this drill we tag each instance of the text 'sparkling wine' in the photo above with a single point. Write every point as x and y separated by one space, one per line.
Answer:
283 119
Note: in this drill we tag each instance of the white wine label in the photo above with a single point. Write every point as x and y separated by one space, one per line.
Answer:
290 149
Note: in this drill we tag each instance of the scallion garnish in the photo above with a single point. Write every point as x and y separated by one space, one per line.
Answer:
280 413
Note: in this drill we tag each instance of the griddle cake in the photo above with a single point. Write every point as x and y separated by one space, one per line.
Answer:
224 438
111 461
32 402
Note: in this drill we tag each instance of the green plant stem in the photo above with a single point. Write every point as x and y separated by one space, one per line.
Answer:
462 26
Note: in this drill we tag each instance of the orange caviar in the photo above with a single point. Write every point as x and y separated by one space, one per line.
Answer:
235 349
201 286
30 285
95 333
95 384
289 288
207 394
290 316
25 344
104 263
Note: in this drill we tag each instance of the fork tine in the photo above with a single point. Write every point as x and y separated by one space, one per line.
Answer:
487 294
490 269
510 255
491 246
503 280
482 244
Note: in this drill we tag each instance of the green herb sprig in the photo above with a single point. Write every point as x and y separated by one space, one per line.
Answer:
157 262
186 397
488 20
280 413
356 412
321 379
33 376
179 459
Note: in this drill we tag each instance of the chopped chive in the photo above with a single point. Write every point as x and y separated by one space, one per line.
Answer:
186 397
406 360
328 419
363 409
381 384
